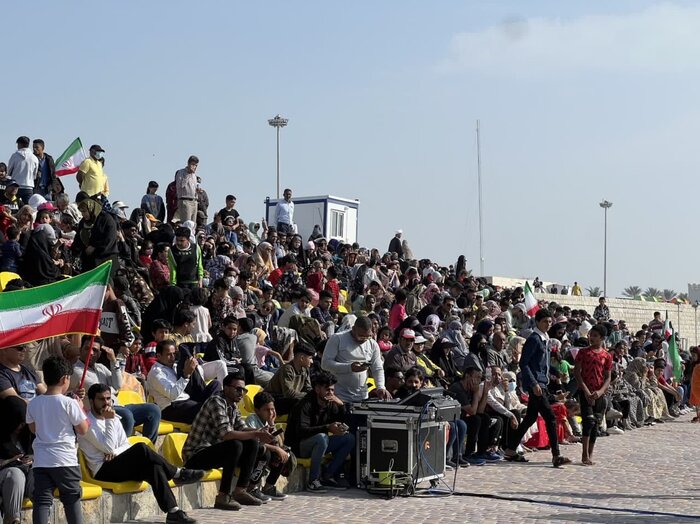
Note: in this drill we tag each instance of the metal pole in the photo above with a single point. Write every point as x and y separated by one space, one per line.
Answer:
278 163
605 255
481 225
695 308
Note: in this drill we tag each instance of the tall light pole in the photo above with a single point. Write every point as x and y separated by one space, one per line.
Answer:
278 122
605 205
481 221
695 309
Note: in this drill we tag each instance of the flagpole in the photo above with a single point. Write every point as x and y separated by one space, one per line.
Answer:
87 362
481 225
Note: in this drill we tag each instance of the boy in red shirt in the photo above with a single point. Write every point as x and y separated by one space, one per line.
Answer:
592 371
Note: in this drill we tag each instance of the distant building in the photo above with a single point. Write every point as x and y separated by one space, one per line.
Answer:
337 216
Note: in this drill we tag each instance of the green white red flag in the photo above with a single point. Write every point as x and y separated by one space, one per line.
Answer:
73 305
70 160
531 304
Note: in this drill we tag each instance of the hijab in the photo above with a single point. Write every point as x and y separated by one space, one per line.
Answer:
37 266
163 307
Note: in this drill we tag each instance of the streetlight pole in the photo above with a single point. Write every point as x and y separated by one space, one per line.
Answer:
278 122
695 309
605 205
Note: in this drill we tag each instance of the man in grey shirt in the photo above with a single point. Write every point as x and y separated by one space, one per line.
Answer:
23 168
348 356
186 187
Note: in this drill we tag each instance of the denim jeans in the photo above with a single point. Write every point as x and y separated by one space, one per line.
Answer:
455 444
137 414
340 446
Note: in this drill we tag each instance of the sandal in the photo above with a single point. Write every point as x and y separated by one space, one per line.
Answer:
560 461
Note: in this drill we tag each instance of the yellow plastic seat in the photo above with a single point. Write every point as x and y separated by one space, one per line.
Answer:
117 488
253 389
127 397
5 277
182 427
172 451
87 492
371 384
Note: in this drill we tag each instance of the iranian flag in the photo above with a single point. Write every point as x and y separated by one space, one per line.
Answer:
674 357
531 304
73 305
69 162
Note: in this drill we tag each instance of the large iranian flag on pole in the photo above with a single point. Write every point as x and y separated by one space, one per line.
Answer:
531 304
69 162
73 305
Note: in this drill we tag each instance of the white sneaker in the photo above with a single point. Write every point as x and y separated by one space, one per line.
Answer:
614 430
613 414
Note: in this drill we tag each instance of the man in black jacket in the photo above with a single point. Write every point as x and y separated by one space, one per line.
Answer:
47 169
223 345
320 412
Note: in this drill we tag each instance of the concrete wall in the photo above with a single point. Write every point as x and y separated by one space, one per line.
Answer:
635 313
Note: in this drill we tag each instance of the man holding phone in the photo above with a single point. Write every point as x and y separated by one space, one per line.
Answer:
348 356
319 413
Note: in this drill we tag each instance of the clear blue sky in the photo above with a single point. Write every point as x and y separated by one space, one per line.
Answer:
578 101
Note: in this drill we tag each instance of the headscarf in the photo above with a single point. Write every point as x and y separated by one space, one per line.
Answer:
260 259
636 372
253 228
93 208
348 323
37 266
494 309
430 292
163 307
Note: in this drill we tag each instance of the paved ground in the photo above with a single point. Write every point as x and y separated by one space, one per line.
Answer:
649 475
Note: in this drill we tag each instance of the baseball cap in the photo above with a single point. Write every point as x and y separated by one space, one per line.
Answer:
305 349
408 333
96 147
47 205
119 204
420 339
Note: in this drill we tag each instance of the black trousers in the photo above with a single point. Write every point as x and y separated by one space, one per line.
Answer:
482 432
181 411
591 416
266 458
506 427
139 463
228 454
537 406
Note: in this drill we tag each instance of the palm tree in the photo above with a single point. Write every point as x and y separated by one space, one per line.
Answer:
632 291
593 291
668 294
652 292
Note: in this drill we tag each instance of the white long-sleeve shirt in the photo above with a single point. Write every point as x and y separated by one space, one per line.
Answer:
284 212
164 385
341 351
104 437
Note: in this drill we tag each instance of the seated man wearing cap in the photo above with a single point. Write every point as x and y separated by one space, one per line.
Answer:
292 381
401 355
91 177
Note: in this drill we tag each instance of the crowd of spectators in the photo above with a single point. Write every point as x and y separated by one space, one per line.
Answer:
199 310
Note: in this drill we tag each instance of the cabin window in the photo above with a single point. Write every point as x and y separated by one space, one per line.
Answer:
337 223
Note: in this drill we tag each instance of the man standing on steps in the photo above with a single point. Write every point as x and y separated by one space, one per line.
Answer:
534 366
23 168
47 169
186 187
111 458
395 244
284 214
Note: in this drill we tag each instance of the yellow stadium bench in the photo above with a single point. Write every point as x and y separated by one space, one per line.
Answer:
253 389
127 397
172 451
87 492
117 488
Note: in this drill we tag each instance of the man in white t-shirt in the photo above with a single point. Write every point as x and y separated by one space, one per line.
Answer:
111 458
55 419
